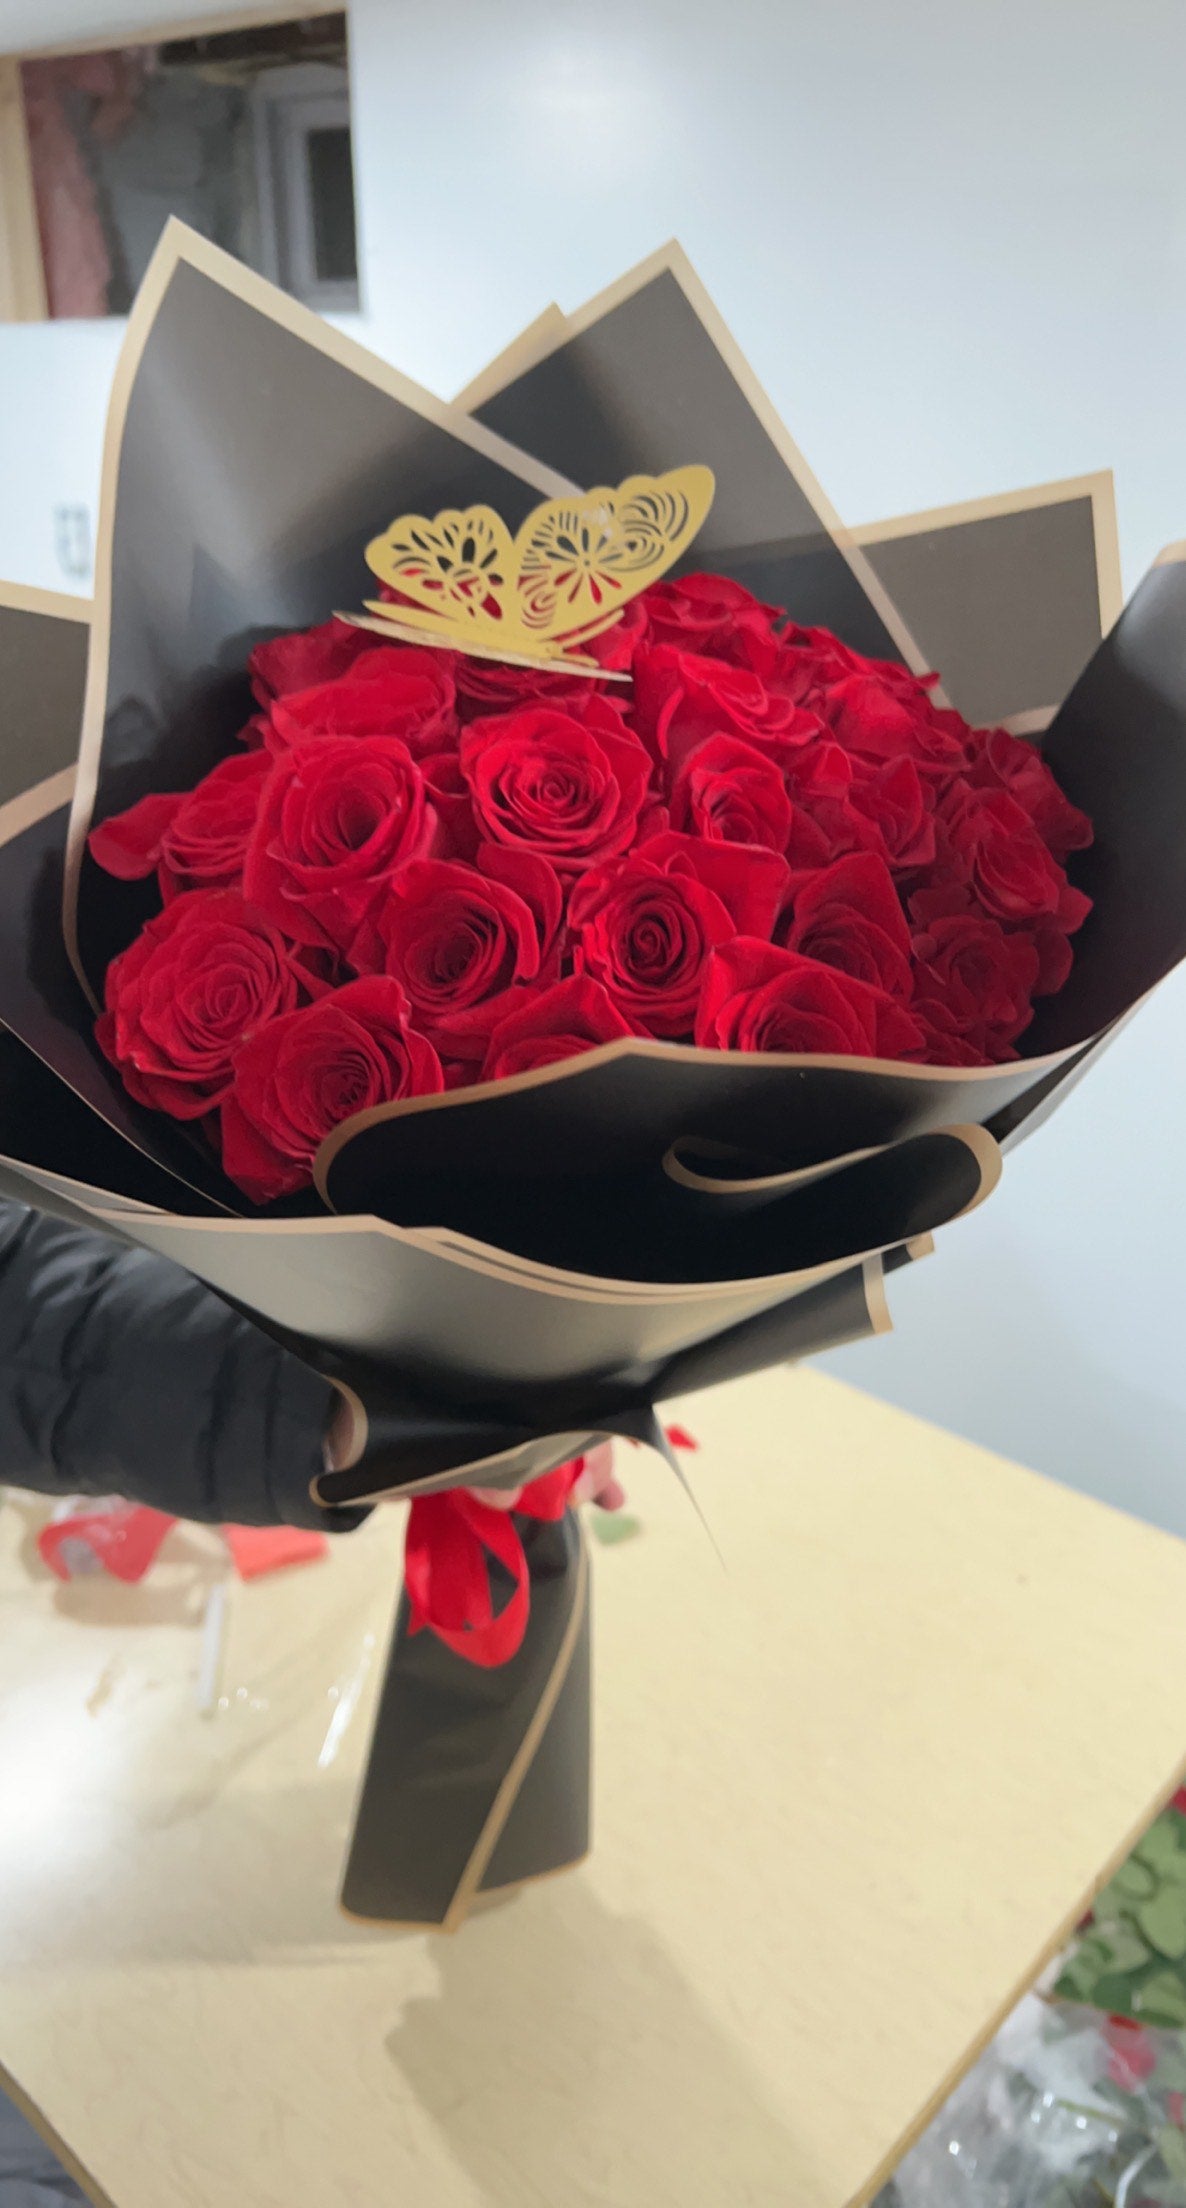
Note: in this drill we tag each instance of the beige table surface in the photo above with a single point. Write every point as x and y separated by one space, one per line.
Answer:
851 1790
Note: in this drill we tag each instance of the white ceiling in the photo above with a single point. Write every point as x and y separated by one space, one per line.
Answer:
32 24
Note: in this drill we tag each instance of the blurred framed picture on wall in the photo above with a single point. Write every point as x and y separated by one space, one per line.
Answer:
244 133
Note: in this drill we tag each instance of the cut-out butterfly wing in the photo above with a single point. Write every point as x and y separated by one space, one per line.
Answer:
575 564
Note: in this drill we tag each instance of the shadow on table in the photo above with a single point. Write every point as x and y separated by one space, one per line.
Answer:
567 2061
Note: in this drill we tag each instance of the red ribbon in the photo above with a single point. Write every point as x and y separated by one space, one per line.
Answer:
449 1540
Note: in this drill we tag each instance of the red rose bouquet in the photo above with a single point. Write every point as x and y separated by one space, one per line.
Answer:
409 882
530 997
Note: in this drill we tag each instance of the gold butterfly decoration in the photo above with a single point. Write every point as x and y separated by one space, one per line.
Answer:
533 599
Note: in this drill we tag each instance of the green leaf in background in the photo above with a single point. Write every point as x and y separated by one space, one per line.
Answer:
1171 2067
1171 2146
1163 1921
1161 1847
1133 1882
1161 2000
1122 1949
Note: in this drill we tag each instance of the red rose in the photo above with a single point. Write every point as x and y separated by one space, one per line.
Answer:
975 983
892 799
192 842
681 698
750 881
457 940
992 844
575 1016
615 647
567 786
391 690
880 721
336 819
714 617
728 792
644 932
305 657
1053 952
447 792
1005 762
302 1075
825 820
848 915
183 997
758 997
486 687
812 661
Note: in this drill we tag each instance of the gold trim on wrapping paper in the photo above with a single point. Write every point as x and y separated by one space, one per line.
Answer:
350 1447
1099 488
539 338
177 245
566 576
876 1300
474 1474
678 1169
36 804
59 605
556 1282
1032 1069
508 1792
1035 722
467 1891
544 337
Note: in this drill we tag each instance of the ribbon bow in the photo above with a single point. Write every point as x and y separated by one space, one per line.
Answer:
450 1538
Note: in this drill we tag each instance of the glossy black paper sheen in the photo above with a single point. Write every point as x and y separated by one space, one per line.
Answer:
644 1226
42 674
645 388
254 470
1006 606
840 1309
438 1715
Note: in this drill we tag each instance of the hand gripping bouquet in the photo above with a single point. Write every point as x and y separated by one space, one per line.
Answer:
552 949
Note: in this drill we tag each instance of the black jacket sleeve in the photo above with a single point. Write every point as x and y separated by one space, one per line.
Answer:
122 1375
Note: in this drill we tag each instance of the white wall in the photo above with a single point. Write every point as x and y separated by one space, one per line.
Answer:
953 242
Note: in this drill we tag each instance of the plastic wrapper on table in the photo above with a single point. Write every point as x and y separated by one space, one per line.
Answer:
1061 2112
